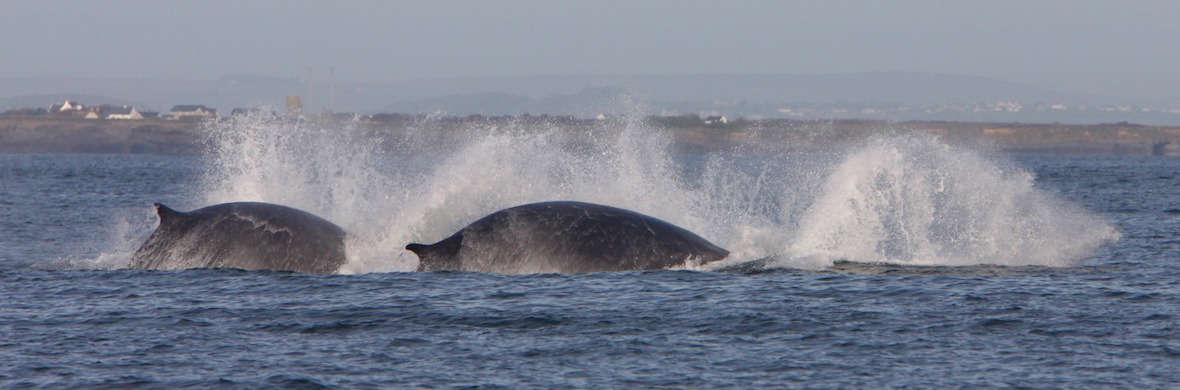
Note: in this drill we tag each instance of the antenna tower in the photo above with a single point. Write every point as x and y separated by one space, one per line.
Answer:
310 91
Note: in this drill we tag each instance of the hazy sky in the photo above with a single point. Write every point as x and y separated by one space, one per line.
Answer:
1117 48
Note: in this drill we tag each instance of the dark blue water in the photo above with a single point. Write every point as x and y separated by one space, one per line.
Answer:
68 320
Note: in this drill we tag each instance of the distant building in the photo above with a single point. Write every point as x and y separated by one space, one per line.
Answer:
244 111
294 105
192 111
119 112
68 106
716 120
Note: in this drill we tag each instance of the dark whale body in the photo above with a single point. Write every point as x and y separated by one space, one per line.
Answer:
245 235
566 237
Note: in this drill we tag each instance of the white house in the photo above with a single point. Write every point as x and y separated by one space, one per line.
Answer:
716 119
192 111
67 106
124 112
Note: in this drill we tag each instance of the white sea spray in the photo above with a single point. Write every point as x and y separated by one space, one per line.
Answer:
903 197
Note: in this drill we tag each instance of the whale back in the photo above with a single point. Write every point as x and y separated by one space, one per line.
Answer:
566 237
245 235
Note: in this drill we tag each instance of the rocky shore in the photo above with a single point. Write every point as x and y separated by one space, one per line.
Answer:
157 136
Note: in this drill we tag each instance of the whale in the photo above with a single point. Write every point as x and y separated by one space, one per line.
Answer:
566 237
243 235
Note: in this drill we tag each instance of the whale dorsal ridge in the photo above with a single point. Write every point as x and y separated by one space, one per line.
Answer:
416 248
440 255
167 214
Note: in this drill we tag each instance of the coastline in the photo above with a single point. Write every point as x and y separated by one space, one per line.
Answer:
76 135
171 137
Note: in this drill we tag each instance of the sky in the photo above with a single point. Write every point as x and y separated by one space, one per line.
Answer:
1114 48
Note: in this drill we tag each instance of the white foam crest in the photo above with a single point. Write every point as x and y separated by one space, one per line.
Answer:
912 199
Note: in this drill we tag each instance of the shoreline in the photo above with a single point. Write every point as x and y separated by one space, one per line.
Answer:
171 137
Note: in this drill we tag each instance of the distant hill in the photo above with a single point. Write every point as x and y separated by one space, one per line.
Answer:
44 101
156 95
582 95
588 102
902 88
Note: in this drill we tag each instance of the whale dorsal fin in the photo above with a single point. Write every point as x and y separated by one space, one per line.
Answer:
423 259
167 214
438 256
416 248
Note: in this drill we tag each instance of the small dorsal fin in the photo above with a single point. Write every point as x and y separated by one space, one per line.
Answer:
166 213
416 248
440 255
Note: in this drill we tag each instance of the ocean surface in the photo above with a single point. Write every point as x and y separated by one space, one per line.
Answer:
895 261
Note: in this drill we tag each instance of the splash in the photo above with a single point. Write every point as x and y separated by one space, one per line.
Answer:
493 168
911 199
116 244
320 167
906 199
331 169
